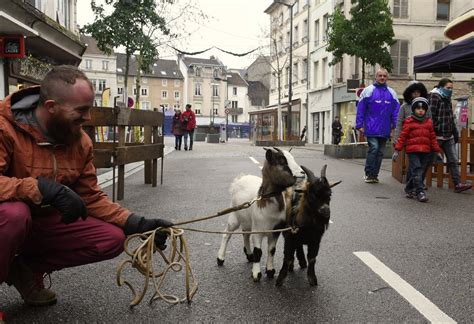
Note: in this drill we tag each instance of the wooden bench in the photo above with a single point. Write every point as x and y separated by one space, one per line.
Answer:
108 154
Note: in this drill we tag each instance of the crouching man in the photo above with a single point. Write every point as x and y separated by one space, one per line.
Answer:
53 215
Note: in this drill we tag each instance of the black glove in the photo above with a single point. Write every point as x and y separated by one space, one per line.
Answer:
67 202
139 224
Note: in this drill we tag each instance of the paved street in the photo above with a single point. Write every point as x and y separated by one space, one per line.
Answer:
428 246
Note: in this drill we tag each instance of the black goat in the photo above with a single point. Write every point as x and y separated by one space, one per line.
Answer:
308 212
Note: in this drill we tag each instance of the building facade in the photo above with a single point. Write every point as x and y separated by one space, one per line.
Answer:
237 103
49 31
101 69
161 87
205 84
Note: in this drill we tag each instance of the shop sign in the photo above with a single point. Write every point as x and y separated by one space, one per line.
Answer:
30 68
12 46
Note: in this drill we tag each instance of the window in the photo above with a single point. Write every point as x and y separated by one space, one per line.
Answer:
120 90
134 91
324 72
164 82
295 72
88 64
215 111
234 118
400 8
144 80
176 94
315 74
305 31
198 72
215 90
215 74
235 104
105 65
145 105
316 33
305 69
176 106
325 27
120 78
164 94
144 91
197 109
280 19
177 83
94 84
295 36
399 53
234 91
439 45
442 10
102 85
197 89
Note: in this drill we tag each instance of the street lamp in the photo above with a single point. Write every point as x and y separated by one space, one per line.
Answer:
290 77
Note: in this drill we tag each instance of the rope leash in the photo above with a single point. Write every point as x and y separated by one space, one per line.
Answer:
141 258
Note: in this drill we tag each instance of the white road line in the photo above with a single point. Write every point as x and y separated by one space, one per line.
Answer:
413 296
253 160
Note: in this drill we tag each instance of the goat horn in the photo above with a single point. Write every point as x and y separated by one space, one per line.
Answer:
323 171
277 149
309 173
334 184
290 149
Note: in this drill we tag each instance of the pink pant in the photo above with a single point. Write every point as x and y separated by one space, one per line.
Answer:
46 244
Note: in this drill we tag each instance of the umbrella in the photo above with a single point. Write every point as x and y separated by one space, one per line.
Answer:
456 57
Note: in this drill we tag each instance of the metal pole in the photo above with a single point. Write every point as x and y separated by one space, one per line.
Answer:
288 137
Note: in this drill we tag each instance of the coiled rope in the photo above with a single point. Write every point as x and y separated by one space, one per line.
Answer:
141 258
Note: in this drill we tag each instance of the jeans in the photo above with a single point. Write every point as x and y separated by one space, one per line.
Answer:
191 135
417 164
177 141
46 244
374 155
428 164
449 149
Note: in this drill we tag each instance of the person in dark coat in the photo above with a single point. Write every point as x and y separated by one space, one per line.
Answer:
178 129
336 130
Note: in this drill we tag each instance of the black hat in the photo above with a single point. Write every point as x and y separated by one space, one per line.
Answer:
419 102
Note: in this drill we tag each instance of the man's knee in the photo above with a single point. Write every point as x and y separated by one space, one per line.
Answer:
113 243
15 216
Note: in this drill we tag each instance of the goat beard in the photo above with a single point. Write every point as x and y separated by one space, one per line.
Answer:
63 130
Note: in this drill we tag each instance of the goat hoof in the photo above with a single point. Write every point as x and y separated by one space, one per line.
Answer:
220 262
313 281
279 282
270 273
257 279
303 265
290 267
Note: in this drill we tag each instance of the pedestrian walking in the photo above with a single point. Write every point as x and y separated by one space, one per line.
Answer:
446 130
414 90
303 133
377 113
419 139
53 214
336 131
189 124
178 129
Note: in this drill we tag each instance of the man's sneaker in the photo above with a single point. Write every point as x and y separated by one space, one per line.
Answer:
462 187
29 285
369 179
422 197
375 179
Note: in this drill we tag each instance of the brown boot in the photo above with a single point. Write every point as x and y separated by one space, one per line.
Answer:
29 285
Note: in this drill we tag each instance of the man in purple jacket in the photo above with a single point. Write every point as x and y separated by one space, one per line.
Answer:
377 113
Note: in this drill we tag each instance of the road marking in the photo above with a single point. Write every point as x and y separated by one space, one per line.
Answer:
255 161
413 296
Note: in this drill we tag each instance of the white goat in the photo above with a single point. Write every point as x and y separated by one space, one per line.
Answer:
279 172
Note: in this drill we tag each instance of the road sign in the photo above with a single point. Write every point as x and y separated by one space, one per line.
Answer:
227 111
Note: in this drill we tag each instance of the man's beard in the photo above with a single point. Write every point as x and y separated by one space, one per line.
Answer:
62 130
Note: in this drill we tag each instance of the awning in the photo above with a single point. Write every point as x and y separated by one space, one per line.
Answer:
456 57
10 25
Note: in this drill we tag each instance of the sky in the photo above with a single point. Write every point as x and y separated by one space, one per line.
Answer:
235 26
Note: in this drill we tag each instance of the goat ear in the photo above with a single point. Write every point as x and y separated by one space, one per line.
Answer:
276 149
269 155
334 184
323 171
309 173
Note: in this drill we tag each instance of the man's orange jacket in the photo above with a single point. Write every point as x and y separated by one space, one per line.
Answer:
25 154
